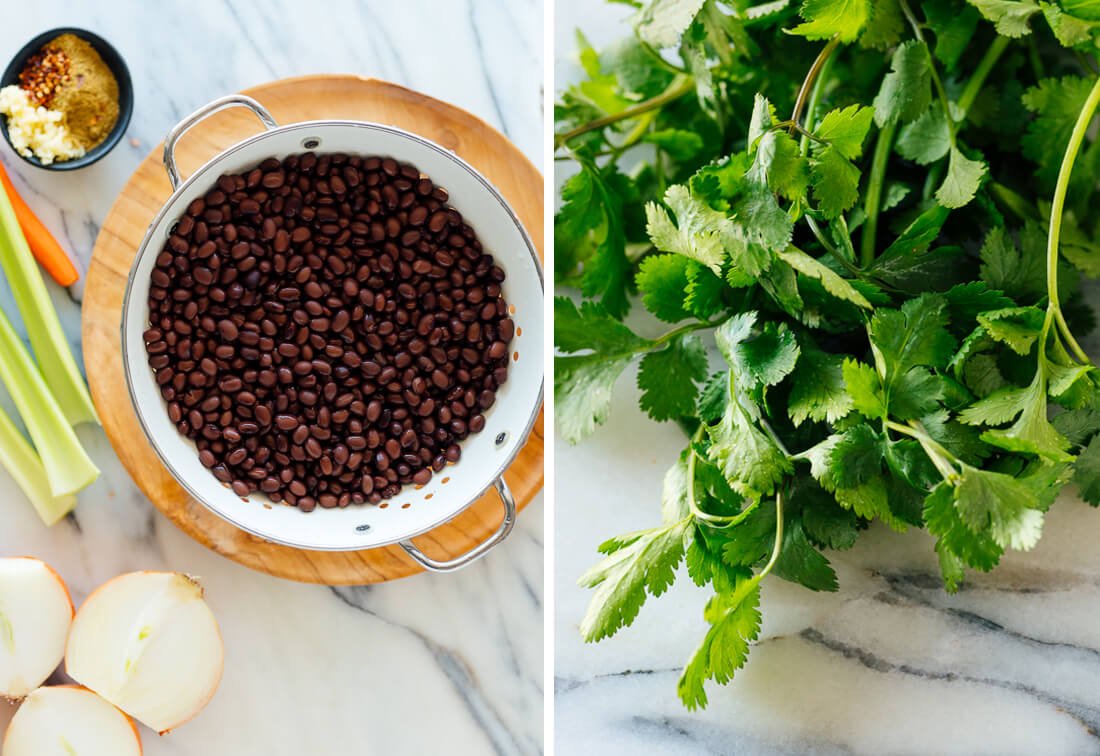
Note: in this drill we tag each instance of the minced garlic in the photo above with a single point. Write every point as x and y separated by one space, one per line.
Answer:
36 130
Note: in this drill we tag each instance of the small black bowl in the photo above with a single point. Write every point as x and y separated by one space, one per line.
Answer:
118 67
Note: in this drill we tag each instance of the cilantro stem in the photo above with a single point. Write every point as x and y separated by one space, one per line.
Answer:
981 71
875 182
679 87
1054 308
778 537
715 521
815 100
937 82
811 76
943 460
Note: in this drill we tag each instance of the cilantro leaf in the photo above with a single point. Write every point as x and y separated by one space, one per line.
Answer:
747 456
663 22
1018 327
954 28
703 293
885 25
942 519
667 378
1086 472
699 232
857 456
845 129
832 281
914 335
906 91
927 139
835 182
662 280
828 18
1056 104
637 565
582 393
734 620
591 327
680 144
1001 505
1010 16
826 523
865 389
818 389
1016 272
963 178
779 164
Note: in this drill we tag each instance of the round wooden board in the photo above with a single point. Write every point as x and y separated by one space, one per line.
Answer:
289 101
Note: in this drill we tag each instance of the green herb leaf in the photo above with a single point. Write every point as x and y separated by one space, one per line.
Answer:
667 378
964 176
906 91
637 565
828 18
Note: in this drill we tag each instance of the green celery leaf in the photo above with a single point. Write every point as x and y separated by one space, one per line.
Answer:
667 378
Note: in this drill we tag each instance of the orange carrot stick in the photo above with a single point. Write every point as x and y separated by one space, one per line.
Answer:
45 248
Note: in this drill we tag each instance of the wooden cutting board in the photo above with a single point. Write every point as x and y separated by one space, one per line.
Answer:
289 101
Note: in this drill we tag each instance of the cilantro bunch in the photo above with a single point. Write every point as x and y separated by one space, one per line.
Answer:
878 211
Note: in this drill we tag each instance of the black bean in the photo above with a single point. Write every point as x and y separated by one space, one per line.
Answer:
326 329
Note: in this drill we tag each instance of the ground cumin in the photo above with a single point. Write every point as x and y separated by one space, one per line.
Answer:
89 96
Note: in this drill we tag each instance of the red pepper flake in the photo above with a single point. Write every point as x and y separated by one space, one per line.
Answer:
43 74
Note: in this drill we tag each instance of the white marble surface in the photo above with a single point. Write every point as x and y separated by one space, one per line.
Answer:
888 665
424 665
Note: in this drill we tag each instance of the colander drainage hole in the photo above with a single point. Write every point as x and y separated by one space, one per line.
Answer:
311 143
501 438
362 528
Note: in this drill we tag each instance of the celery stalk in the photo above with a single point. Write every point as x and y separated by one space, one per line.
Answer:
67 465
25 467
51 349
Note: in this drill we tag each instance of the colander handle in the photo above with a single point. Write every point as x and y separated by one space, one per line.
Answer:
478 551
207 110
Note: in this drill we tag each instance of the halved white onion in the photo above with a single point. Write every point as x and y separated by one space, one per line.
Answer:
148 643
35 613
68 720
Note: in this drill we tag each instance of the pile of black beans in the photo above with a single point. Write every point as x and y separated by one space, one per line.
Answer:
327 329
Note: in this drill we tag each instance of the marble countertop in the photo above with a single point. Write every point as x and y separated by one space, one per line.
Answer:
426 664
888 665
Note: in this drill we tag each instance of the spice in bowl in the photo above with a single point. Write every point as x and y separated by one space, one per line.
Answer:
66 102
